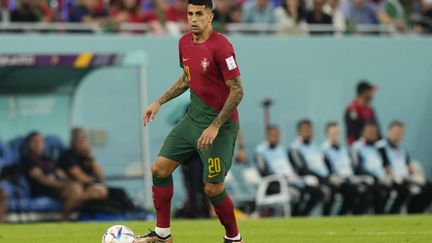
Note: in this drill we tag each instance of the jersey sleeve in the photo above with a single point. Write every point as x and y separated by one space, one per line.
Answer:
227 62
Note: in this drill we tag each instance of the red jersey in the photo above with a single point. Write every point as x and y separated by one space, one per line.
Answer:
356 116
208 65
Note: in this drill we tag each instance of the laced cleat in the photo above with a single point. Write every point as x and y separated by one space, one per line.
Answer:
233 241
152 237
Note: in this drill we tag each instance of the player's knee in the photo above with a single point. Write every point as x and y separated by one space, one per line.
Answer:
213 189
160 172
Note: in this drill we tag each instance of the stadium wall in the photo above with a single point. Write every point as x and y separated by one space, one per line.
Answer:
306 77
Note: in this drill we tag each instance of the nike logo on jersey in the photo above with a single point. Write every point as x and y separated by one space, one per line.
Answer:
213 176
185 59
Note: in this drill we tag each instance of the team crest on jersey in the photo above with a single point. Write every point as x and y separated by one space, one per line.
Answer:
205 64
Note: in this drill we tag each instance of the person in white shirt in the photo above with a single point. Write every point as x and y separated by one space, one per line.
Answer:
271 159
355 189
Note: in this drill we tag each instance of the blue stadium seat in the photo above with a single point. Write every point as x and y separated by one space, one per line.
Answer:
6 157
54 146
17 146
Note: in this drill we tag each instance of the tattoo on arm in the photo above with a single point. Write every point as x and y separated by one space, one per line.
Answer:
178 88
233 100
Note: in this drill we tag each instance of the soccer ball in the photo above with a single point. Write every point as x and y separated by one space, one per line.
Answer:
118 234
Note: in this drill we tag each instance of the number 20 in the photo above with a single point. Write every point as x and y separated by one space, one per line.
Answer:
214 165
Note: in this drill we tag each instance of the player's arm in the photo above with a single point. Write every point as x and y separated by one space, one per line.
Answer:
235 96
178 88
233 100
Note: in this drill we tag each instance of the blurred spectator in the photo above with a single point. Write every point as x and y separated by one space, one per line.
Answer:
369 162
3 205
333 8
240 153
360 111
81 166
317 15
159 8
177 18
392 14
130 11
290 16
258 12
236 15
360 12
308 159
4 11
355 189
89 11
271 159
421 15
221 14
33 11
46 179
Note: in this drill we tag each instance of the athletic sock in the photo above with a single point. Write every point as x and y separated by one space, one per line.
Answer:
238 237
163 232
224 208
162 194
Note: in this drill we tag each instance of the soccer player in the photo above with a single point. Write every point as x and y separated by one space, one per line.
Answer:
210 127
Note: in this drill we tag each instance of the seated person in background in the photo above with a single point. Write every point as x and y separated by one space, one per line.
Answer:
78 161
368 161
360 12
308 159
46 179
398 166
33 11
130 11
176 18
354 189
89 11
258 12
290 16
271 159
80 165
317 15
3 205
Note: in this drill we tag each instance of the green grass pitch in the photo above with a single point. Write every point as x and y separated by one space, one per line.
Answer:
391 229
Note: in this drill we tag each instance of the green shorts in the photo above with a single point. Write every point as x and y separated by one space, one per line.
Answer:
181 146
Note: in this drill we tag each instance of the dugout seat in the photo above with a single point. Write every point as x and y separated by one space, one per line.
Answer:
273 191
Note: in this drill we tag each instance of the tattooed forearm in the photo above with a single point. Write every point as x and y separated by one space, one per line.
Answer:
178 88
234 98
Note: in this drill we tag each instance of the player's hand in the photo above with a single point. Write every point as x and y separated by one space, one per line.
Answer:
207 137
150 112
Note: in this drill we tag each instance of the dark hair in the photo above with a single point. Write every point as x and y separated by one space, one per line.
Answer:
364 86
135 9
369 123
330 125
207 3
396 123
303 122
271 127
30 136
75 132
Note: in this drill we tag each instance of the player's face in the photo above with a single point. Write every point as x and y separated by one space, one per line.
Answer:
396 134
273 136
37 145
333 134
80 141
199 18
370 133
305 132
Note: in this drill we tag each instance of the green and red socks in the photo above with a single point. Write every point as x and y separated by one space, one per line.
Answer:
224 208
163 191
